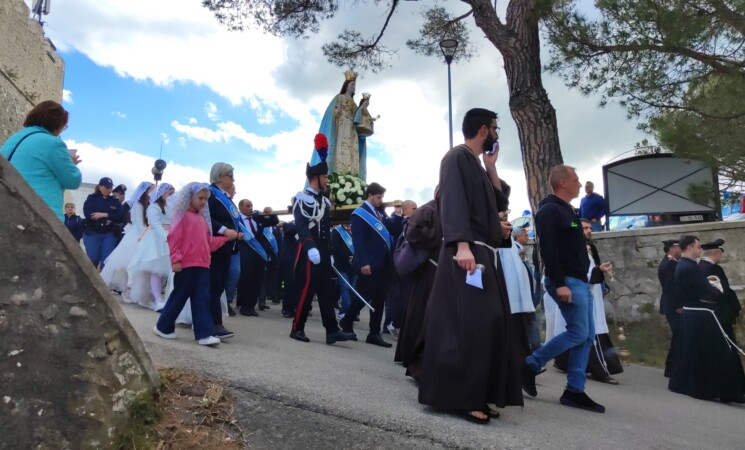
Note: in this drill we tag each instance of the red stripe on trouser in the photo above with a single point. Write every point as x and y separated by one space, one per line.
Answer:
304 294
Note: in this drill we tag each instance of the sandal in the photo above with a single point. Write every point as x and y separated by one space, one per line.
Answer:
473 419
491 412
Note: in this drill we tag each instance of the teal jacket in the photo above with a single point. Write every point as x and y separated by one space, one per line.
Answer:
43 161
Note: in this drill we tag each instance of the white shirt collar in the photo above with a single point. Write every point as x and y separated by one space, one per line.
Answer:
311 190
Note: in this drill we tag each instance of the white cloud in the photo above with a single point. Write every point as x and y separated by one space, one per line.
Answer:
211 110
67 96
119 114
165 139
179 41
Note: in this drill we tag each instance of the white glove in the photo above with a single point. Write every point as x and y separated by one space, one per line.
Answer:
716 282
314 256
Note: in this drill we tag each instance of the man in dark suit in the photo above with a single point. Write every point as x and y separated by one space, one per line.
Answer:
728 308
253 261
372 262
670 304
342 249
288 254
225 219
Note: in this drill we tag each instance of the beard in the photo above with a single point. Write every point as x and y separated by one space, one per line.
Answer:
488 144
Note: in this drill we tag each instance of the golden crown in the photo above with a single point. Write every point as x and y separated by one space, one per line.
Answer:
350 75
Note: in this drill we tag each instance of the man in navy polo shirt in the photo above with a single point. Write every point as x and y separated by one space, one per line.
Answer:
593 207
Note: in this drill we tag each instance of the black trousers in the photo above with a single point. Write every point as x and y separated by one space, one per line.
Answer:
373 288
287 275
219 270
253 274
315 280
675 321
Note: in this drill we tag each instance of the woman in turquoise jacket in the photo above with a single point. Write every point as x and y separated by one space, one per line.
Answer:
41 157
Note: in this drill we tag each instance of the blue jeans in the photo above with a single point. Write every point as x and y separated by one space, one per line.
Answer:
578 337
346 293
98 246
191 283
235 273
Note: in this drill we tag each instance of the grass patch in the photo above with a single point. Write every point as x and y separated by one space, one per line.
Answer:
647 340
187 412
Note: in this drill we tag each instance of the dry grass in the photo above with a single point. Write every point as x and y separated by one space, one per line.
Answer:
196 414
189 412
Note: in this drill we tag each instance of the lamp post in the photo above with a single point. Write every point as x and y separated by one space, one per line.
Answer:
448 47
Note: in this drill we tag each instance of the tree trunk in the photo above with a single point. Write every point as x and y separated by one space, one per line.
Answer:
519 43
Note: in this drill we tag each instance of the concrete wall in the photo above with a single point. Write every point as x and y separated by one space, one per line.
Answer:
70 362
30 69
635 254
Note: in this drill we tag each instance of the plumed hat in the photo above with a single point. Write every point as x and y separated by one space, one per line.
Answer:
321 144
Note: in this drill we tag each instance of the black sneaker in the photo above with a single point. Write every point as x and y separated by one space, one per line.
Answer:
580 400
223 333
299 336
527 375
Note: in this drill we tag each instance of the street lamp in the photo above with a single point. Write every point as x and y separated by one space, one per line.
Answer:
448 47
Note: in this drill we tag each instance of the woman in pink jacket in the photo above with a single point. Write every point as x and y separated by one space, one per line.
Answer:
191 243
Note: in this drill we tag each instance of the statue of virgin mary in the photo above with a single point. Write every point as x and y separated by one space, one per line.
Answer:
347 149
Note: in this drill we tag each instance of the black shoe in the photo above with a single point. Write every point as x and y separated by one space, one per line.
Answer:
340 336
245 311
357 319
608 380
527 375
223 333
231 311
287 315
739 400
376 339
580 400
299 336
276 302
264 306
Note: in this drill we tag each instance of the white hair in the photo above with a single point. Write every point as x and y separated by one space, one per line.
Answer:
219 169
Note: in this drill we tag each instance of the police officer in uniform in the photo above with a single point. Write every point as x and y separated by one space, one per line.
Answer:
313 272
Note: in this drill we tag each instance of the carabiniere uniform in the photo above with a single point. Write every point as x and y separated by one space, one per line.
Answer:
313 223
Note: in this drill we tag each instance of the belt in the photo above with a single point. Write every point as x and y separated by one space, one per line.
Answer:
493 250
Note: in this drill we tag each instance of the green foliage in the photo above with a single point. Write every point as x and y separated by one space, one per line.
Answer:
138 433
294 18
439 25
719 143
702 193
646 53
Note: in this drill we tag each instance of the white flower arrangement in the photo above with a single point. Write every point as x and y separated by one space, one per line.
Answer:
346 189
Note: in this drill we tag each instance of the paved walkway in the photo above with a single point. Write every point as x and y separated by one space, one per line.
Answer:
352 395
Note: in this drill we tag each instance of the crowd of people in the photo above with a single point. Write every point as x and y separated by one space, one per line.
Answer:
450 280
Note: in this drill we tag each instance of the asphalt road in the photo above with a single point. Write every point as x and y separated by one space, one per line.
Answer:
293 395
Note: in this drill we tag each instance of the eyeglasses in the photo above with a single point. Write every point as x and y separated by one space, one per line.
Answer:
228 175
495 128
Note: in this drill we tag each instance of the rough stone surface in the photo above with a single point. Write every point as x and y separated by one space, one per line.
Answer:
635 254
70 362
30 69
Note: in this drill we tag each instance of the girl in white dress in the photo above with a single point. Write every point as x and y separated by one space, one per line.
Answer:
114 272
151 264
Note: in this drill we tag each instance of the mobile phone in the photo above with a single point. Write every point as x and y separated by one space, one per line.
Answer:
72 152
494 148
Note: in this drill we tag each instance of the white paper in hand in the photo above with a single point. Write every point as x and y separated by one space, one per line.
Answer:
475 278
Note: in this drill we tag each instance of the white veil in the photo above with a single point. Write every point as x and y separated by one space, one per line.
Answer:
179 203
141 189
157 193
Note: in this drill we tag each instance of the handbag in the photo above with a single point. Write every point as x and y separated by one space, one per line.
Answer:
408 259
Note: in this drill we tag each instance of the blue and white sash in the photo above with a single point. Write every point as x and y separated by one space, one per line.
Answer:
272 240
376 225
238 222
345 237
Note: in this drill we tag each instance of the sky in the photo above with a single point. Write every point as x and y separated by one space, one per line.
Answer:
164 79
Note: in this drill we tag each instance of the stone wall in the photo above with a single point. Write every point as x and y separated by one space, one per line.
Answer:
30 69
70 361
635 254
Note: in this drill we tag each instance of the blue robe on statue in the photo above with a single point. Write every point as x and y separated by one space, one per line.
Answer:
328 128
